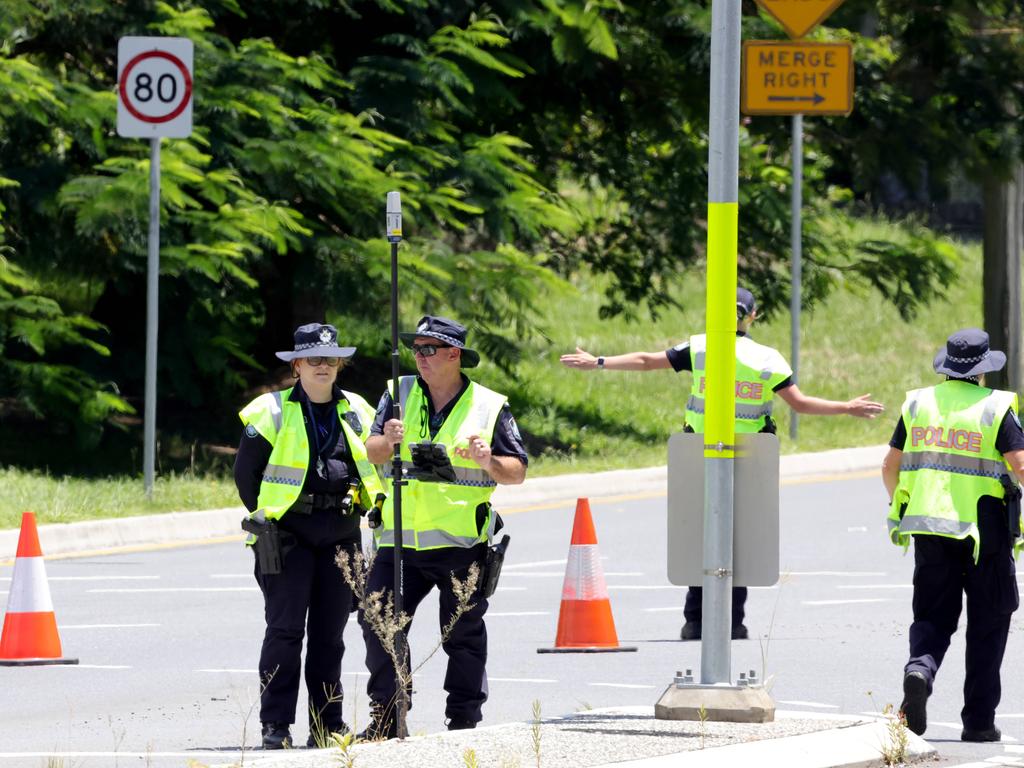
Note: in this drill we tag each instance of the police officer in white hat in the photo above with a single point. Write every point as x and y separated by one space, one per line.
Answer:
303 474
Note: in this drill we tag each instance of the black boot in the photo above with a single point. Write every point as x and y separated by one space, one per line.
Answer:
915 702
690 631
382 725
276 736
320 737
460 724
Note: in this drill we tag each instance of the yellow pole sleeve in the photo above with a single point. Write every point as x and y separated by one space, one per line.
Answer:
720 369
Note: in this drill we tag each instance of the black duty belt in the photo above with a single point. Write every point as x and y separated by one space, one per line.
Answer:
307 503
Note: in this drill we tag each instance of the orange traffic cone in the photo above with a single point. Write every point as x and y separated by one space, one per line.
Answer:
30 628
585 623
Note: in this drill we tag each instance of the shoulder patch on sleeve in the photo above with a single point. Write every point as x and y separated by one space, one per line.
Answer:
354 421
514 428
250 431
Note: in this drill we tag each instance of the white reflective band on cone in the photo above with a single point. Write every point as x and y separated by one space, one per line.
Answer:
29 590
584 578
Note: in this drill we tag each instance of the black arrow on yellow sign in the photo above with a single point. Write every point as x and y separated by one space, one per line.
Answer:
815 99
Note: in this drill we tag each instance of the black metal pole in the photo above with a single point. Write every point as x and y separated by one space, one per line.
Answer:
394 228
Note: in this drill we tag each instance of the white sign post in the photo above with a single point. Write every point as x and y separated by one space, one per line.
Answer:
154 100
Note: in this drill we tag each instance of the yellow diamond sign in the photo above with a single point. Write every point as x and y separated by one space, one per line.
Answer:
798 17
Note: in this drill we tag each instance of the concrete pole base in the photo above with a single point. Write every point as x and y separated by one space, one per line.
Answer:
721 704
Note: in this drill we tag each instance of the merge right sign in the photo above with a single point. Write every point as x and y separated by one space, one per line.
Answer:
790 78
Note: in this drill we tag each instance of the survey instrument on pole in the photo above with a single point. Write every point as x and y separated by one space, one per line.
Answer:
393 224
796 78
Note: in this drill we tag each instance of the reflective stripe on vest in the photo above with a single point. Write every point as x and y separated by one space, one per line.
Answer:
436 515
280 421
758 370
949 461
953 462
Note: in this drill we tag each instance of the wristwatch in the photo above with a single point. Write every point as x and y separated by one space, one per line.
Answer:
600 363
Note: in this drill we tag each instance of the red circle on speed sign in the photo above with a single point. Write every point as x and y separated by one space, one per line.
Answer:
186 91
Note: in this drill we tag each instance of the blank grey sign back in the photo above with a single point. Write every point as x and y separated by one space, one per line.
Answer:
756 516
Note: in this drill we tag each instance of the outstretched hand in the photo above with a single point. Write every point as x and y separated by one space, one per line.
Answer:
581 359
864 408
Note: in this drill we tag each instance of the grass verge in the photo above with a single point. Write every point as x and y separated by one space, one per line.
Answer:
590 421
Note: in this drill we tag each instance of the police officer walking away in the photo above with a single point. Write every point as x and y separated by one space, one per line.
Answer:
302 472
446 525
761 373
952 470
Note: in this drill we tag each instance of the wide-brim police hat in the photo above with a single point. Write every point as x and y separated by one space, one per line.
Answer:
967 354
316 340
450 332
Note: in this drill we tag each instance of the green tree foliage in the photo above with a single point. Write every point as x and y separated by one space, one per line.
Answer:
529 139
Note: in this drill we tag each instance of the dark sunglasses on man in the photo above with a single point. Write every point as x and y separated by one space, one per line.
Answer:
428 350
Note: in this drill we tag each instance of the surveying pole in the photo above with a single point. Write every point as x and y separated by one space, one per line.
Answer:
719 421
394 231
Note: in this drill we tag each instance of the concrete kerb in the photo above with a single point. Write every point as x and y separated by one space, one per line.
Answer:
630 737
181 528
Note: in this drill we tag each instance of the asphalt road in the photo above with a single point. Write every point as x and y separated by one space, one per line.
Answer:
168 639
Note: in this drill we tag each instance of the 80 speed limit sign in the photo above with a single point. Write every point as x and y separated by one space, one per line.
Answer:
154 87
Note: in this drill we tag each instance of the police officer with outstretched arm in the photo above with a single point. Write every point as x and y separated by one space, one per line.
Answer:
761 373
303 474
447 520
952 473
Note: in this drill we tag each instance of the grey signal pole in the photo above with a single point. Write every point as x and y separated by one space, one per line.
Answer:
719 473
796 244
152 317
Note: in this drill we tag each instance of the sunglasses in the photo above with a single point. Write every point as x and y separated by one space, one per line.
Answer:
316 362
428 350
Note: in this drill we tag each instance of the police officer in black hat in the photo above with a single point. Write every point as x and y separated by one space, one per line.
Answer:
761 373
302 472
952 473
447 522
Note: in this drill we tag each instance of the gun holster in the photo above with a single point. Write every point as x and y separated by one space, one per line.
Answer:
267 545
1011 496
493 561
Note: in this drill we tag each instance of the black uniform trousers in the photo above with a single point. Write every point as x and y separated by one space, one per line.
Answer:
693 608
944 570
309 594
466 646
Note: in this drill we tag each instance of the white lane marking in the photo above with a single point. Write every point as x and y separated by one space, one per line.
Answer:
672 608
519 680
849 602
643 586
517 613
875 586
231 576
621 685
231 671
512 566
94 578
798 703
534 574
834 573
106 626
180 589
857 529
1012 715
141 755
94 666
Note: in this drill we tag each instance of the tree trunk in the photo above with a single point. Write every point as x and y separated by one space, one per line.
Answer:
1003 246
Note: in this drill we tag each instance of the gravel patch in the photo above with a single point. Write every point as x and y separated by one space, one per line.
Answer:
584 739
